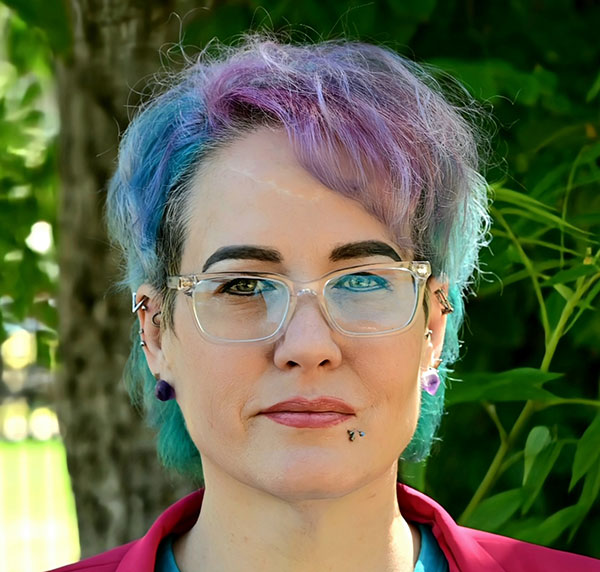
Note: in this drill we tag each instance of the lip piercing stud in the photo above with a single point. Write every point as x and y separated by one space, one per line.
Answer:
353 432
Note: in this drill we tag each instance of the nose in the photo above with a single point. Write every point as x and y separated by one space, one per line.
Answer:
308 342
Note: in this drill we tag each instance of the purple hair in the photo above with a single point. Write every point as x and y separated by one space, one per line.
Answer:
363 120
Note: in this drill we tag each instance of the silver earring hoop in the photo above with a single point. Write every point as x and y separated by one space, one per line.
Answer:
155 319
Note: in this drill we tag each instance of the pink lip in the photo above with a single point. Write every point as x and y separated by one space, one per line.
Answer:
309 413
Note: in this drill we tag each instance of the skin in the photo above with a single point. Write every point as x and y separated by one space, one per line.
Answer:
278 497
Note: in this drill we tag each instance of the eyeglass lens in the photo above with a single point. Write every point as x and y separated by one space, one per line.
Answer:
249 308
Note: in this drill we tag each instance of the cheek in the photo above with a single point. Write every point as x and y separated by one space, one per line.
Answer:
390 372
390 368
213 384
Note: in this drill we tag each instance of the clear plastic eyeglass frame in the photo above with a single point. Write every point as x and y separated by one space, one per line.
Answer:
420 270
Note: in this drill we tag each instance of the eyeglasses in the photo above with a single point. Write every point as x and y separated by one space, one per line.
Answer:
367 300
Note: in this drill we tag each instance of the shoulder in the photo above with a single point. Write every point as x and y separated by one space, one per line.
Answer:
527 557
141 554
469 550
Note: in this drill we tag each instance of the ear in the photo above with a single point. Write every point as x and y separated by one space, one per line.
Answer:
436 322
151 333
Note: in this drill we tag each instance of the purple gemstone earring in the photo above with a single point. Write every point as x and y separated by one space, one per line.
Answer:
163 391
430 380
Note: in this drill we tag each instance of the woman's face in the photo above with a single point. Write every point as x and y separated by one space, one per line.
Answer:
255 193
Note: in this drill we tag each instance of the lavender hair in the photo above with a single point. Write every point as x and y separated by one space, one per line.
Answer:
365 121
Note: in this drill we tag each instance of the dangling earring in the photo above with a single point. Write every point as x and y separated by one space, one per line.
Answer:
430 381
163 391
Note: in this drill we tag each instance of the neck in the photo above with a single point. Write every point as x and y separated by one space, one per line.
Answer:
244 528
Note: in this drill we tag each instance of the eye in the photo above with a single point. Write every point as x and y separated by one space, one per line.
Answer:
245 287
362 282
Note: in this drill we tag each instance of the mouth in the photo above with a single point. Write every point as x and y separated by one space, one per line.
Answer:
310 413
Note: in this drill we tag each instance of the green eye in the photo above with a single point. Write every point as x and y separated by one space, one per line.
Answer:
245 287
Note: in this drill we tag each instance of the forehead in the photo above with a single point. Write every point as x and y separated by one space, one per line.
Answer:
254 191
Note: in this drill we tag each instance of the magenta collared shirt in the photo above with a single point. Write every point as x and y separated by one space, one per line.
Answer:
466 550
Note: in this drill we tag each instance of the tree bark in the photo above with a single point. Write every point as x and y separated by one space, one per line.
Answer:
118 485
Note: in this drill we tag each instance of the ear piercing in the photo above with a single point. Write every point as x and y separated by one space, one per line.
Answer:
430 381
135 305
163 391
443 300
155 321
352 433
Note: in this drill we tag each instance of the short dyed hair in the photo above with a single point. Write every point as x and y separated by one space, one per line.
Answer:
409 155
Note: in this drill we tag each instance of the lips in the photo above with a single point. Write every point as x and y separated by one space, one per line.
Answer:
310 413
318 405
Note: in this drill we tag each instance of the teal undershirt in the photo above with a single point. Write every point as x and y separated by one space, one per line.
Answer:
431 557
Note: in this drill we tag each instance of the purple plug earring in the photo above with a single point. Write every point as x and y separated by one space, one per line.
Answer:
430 380
163 391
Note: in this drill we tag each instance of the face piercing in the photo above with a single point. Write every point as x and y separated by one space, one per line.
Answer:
443 300
155 319
353 432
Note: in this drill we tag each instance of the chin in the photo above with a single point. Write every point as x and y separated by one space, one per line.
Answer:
311 477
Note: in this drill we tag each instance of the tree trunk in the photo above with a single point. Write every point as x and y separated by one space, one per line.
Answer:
118 485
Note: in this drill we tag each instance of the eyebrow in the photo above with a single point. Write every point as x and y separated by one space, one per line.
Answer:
361 249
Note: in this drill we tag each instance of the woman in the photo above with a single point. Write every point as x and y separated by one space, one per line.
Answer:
299 225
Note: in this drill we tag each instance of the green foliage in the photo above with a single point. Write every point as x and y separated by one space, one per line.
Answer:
28 177
529 375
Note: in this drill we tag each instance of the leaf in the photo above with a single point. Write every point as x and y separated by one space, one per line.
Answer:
539 471
31 95
594 90
493 512
518 384
537 439
591 486
519 199
491 77
588 451
549 530
585 304
588 497
564 291
571 274
48 16
546 218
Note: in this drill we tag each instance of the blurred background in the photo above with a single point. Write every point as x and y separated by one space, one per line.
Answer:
520 445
